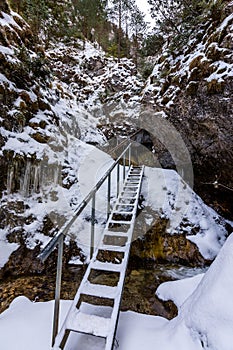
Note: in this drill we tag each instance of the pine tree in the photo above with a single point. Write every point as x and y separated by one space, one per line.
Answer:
37 14
138 26
178 20
62 22
152 44
92 16
123 9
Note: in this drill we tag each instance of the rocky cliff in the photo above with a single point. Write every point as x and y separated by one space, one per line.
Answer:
51 103
193 87
55 103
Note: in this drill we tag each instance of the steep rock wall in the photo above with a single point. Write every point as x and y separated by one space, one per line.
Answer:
193 87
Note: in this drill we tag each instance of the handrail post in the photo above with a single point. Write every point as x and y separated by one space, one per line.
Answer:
124 166
58 239
129 156
118 179
58 289
109 196
92 226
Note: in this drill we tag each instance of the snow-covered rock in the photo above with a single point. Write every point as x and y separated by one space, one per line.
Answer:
192 86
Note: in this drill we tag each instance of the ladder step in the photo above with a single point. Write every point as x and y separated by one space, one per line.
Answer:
89 324
113 248
98 290
123 212
124 195
106 266
115 233
129 190
126 201
127 197
110 259
131 187
121 222
131 183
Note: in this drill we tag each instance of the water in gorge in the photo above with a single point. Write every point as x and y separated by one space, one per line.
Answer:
138 295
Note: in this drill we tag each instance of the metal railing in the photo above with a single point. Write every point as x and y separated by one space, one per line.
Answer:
58 239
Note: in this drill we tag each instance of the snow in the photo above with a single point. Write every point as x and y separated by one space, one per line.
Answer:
226 21
31 324
179 67
8 20
209 309
6 50
22 144
225 71
204 321
166 192
199 298
6 248
91 51
92 324
178 291
7 81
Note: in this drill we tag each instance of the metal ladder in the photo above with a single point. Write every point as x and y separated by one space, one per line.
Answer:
111 257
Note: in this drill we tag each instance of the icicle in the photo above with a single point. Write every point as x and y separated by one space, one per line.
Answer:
10 178
25 183
36 178
56 174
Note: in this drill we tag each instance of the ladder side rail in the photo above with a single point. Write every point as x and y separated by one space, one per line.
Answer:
116 308
58 239
115 314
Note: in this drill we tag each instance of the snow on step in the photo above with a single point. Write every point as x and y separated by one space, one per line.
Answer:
106 266
113 248
127 196
115 233
99 290
123 222
123 212
89 324
80 321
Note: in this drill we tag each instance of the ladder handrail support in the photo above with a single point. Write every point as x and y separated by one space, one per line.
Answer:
115 314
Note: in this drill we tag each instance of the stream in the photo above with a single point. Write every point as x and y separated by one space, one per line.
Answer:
138 295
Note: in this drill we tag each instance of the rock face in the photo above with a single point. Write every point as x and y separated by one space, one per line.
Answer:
4 6
162 247
194 90
44 96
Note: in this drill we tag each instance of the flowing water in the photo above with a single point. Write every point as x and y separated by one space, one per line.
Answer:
139 291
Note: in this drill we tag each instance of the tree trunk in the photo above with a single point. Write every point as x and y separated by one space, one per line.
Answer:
119 30
136 50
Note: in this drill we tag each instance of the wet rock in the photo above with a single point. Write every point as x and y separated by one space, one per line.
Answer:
156 244
40 287
139 294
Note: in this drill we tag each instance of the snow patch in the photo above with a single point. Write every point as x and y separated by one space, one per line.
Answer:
6 248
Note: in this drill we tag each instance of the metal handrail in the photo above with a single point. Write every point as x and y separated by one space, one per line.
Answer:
63 231
58 239
129 138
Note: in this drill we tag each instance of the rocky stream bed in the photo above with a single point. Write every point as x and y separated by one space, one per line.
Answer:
139 291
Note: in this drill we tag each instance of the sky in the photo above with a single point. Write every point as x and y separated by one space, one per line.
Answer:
144 7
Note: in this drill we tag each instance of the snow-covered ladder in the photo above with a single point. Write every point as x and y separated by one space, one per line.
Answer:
111 257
